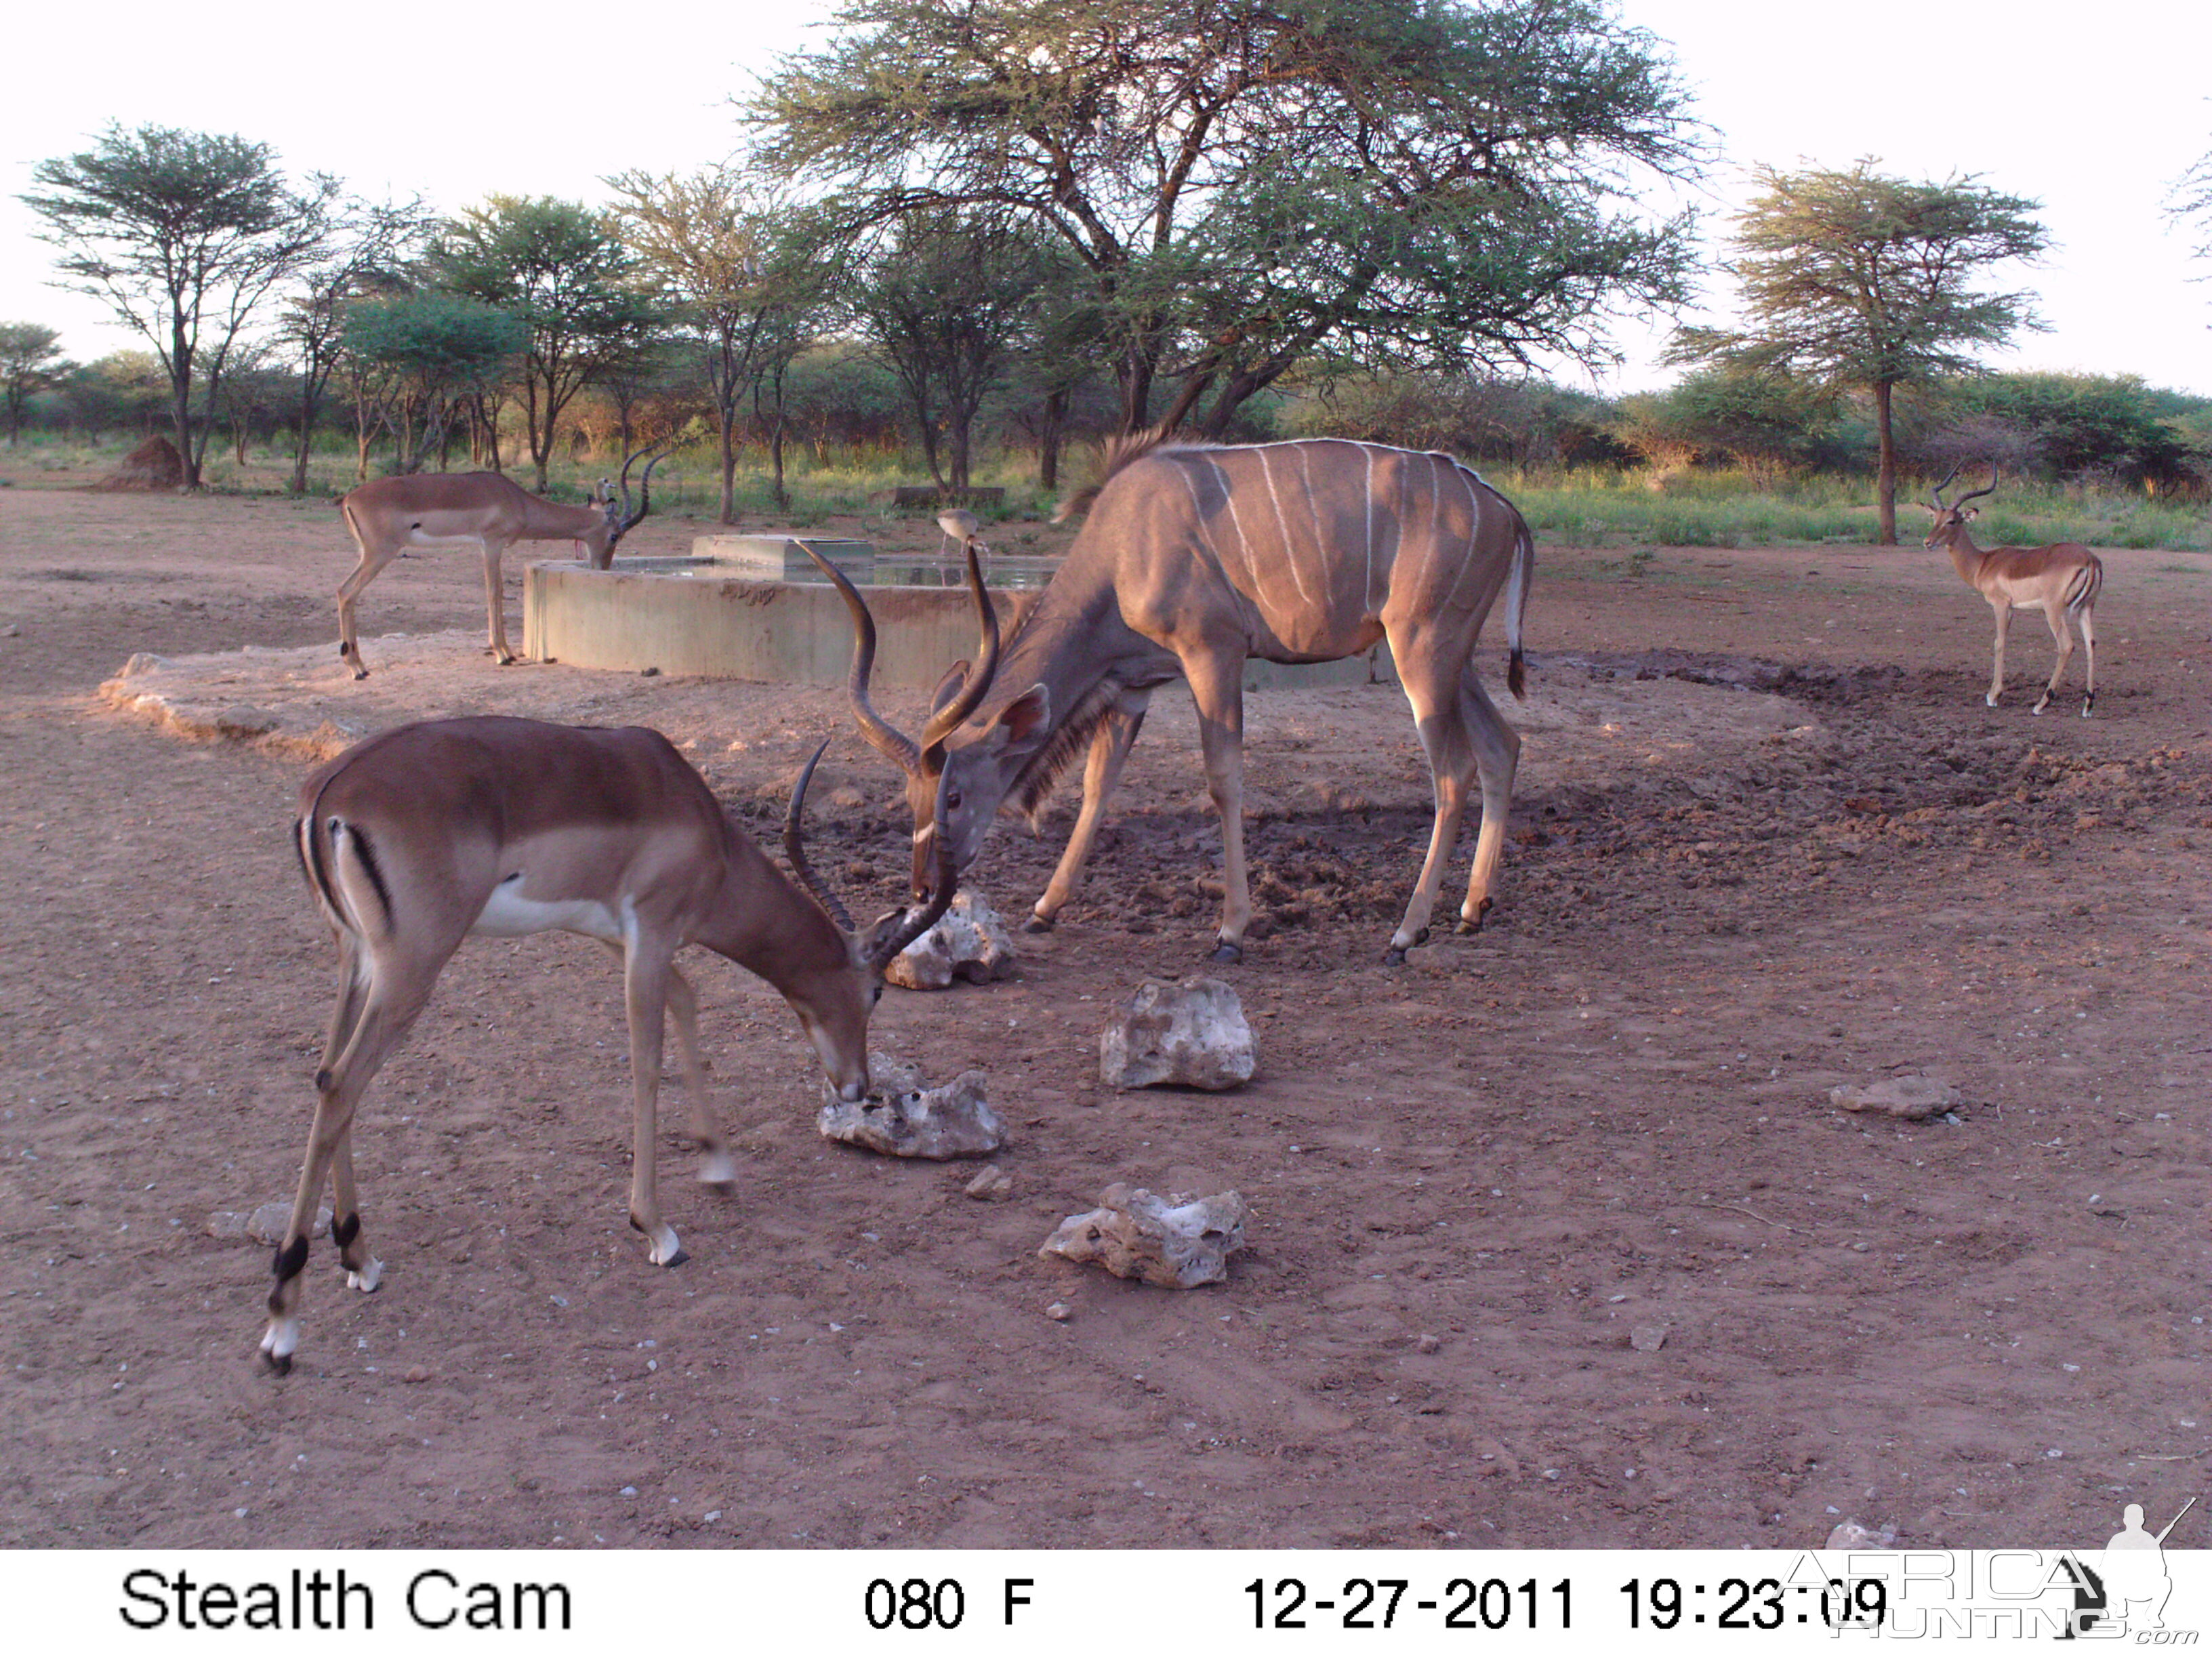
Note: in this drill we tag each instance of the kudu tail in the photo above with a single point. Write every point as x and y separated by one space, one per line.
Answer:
1517 603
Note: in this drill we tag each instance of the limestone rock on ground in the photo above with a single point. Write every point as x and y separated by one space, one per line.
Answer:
968 942
1178 1242
901 1118
1910 1096
1192 1032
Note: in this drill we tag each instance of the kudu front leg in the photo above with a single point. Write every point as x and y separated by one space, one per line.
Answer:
1217 685
1109 749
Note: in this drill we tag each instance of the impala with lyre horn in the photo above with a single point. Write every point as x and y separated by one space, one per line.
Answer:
2061 580
415 839
483 510
1193 557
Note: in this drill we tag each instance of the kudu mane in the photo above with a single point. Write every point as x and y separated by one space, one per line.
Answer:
1117 456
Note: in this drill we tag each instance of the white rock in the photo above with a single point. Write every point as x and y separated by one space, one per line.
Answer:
968 942
1851 1536
901 1118
1911 1096
1191 1033
1648 1339
1177 1243
266 1225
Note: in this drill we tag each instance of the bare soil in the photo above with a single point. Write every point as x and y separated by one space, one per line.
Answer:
1767 841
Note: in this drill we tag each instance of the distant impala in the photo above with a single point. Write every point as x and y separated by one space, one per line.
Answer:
1193 557
483 510
2061 580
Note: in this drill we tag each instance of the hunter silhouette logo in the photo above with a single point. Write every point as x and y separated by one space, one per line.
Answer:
2130 1586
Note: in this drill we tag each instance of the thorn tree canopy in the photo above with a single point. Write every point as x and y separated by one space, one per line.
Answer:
1252 183
1853 280
184 235
562 269
31 362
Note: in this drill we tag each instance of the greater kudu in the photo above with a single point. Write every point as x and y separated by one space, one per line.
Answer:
1193 557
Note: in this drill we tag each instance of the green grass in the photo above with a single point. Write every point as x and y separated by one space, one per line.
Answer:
1596 508
1601 508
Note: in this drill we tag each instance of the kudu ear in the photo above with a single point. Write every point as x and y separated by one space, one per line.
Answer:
1024 717
948 687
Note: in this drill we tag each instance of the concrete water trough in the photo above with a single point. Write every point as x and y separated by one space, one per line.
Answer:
755 608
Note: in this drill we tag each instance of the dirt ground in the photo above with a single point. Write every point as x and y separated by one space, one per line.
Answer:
1767 841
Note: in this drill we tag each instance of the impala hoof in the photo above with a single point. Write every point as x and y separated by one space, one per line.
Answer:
1393 957
1474 924
366 1279
1990 700
2087 705
1037 924
279 1364
361 674
1224 951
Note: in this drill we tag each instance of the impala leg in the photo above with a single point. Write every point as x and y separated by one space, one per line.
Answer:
373 1017
1109 749
2088 622
716 1167
645 983
1496 758
372 562
1997 670
1217 686
2062 637
496 601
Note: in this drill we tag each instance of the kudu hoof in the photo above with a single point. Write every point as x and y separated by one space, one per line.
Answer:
1037 924
1224 951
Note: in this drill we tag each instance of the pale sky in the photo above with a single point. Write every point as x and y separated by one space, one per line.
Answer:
2095 110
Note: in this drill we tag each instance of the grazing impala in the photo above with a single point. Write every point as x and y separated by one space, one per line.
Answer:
1192 558
417 838
2061 580
483 510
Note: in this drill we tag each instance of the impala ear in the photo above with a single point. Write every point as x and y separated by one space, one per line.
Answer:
949 688
1024 717
1974 513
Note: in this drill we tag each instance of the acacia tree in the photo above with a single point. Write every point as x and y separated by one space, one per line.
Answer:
31 362
184 235
1852 280
945 302
369 247
433 350
562 270
1248 182
717 245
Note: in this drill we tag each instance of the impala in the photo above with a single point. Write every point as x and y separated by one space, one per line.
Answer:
419 837
484 510
2061 580
1193 557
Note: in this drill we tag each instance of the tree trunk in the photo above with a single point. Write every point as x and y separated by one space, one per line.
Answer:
727 512
1886 487
1048 430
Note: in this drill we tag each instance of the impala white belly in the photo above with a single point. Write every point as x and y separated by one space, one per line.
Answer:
508 915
